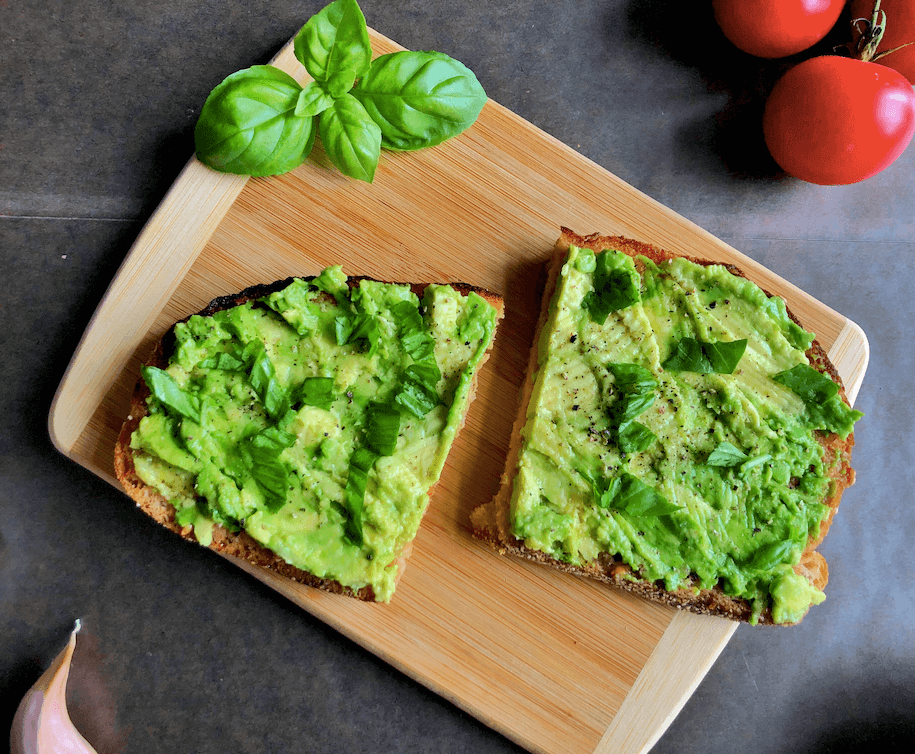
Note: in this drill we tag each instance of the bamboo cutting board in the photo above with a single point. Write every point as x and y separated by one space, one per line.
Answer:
557 664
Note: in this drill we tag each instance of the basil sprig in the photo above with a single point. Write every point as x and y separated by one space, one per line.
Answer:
260 121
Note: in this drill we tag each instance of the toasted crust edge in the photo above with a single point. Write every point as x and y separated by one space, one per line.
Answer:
490 522
241 544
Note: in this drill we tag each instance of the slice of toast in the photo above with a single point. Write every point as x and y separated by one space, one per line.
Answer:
369 368
495 522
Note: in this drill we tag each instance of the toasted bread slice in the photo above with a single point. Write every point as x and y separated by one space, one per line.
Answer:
493 522
456 390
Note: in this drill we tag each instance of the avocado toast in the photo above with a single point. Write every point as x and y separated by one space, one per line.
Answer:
680 436
302 425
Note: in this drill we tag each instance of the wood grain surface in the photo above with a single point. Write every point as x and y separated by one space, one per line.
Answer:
557 664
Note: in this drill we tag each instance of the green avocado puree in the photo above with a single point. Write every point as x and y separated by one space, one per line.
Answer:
723 479
315 418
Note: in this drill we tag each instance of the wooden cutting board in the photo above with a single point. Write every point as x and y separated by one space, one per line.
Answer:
555 663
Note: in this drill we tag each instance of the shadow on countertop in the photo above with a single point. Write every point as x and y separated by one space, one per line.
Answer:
688 34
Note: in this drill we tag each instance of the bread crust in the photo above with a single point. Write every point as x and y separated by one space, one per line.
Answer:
491 522
241 544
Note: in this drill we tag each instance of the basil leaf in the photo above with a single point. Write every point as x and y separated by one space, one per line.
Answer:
333 41
163 386
705 357
425 373
634 437
825 407
724 355
635 386
224 361
263 379
629 494
318 391
248 124
416 398
343 329
808 384
267 469
639 499
351 139
418 344
382 428
616 286
361 328
361 463
726 454
419 99
313 100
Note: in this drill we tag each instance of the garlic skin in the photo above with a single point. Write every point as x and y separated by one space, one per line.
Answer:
42 724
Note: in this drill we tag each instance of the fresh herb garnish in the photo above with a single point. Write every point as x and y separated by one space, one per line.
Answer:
268 470
260 121
317 391
629 494
616 286
164 388
821 397
705 357
635 386
360 464
382 428
265 383
726 454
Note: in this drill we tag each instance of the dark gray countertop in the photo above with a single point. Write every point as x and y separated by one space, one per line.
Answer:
182 652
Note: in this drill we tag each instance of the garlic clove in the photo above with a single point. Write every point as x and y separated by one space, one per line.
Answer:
41 724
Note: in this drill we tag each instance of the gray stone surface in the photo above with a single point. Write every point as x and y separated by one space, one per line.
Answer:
182 652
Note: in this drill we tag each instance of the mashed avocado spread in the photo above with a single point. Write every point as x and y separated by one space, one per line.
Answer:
673 422
315 418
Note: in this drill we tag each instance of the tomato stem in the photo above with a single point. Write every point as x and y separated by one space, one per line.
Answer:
871 30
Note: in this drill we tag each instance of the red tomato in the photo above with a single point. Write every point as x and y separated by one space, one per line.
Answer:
896 49
834 120
776 28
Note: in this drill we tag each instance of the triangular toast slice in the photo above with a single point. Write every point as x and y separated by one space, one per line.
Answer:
302 425
645 456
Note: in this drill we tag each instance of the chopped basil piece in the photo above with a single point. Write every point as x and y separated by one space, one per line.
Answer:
263 379
268 470
821 397
318 391
382 428
164 388
705 357
616 286
726 454
636 386
360 465
630 495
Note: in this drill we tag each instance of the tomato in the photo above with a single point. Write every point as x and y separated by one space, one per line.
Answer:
896 48
776 28
834 120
